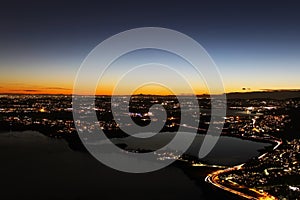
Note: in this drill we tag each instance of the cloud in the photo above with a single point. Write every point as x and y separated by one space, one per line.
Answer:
56 88
246 88
24 90
27 88
31 90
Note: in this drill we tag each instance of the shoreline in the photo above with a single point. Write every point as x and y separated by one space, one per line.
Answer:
213 178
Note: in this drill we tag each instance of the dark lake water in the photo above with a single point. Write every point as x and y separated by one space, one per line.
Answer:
34 166
233 151
227 151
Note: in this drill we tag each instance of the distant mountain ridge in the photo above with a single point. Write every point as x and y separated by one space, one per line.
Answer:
265 94
269 94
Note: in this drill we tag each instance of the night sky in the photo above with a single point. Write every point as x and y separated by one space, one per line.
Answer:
255 44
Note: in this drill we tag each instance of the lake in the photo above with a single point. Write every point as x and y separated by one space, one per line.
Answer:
34 166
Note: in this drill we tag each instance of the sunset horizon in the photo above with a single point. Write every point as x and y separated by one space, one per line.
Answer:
143 92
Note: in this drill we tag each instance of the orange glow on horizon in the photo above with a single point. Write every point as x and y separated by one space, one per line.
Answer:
108 90
17 90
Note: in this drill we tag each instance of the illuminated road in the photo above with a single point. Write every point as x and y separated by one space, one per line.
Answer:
248 193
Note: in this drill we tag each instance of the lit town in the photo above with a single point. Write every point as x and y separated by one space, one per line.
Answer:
274 171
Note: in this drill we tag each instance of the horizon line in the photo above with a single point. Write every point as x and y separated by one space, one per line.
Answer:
204 94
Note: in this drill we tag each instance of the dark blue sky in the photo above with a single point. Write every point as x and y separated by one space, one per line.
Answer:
255 44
